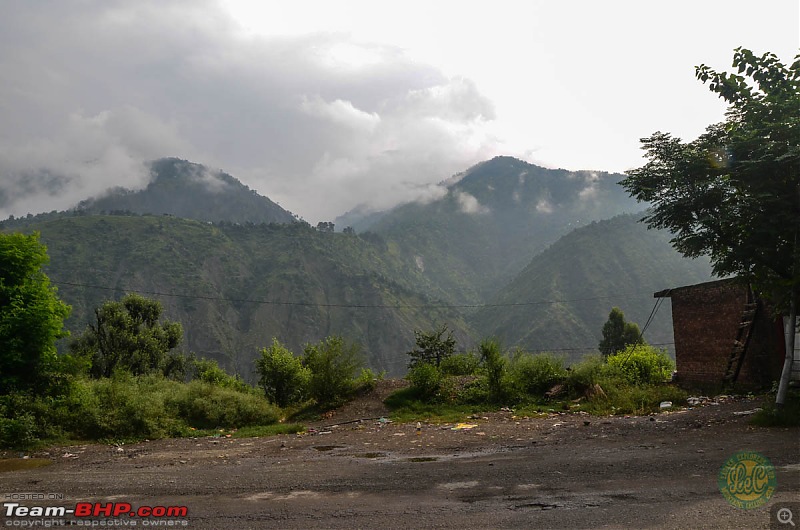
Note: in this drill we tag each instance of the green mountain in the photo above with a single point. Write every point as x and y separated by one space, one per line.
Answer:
192 191
562 298
236 287
493 219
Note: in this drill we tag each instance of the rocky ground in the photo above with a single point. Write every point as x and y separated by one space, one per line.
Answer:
499 470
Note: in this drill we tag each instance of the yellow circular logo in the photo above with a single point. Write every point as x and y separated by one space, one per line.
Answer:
747 480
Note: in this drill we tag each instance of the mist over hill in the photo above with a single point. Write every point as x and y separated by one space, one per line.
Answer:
489 221
192 191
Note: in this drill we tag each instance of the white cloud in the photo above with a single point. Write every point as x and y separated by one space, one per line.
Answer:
544 206
469 204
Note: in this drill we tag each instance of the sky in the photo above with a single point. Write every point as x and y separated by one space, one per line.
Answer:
324 106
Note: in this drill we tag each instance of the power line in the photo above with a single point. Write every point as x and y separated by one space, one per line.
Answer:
347 306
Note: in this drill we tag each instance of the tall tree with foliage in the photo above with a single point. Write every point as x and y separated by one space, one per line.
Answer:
31 315
618 334
733 194
432 346
127 335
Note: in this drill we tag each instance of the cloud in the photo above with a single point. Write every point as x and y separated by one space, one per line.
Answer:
469 204
544 206
319 122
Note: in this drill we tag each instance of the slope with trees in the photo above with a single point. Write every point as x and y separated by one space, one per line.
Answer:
234 287
493 219
562 298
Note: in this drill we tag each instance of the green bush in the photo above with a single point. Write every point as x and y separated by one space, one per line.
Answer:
639 365
425 379
333 365
209 371
282 376
584 374
495 366
536 374
460 364
205 406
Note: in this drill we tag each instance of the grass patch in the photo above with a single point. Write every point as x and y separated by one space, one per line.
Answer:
406 406
786 416
258 431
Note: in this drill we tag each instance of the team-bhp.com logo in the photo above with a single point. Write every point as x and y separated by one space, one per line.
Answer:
147 515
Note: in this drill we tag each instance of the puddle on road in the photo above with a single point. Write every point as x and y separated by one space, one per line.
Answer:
327 447
18 464
372 455
424 459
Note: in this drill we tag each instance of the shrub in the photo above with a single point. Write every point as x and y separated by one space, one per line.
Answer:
460 364
495 365
282 375
205 406
333 366
426 380
536 374
209 371
640 364
584 374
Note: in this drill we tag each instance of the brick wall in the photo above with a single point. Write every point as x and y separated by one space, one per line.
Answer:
705 322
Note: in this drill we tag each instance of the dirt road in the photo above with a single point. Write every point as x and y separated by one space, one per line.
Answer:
560 471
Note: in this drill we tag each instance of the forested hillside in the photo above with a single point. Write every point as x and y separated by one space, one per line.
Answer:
494 218
566 292
235 287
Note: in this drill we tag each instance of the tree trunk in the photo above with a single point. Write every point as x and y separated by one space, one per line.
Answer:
790 328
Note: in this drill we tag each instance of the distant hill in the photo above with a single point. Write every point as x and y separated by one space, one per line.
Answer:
493 219
568 290
235 287
191 191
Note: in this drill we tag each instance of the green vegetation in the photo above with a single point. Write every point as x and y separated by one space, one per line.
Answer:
282 375
128 336
333 366
569 286
31 316
618 334
631 381
787 415
432 347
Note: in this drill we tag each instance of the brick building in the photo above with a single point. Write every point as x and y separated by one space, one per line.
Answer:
725 335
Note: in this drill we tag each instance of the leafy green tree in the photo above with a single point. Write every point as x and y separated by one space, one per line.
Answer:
432 347
333 366
31 315
733 194
282 375
618 334
127 335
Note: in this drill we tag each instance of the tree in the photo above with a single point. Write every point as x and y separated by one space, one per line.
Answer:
432 347
127 335
618 334
31 315
282 375
733 194
333 365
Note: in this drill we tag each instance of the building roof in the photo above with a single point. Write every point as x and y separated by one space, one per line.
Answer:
667 293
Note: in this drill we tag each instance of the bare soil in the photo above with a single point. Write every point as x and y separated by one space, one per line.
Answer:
499 471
